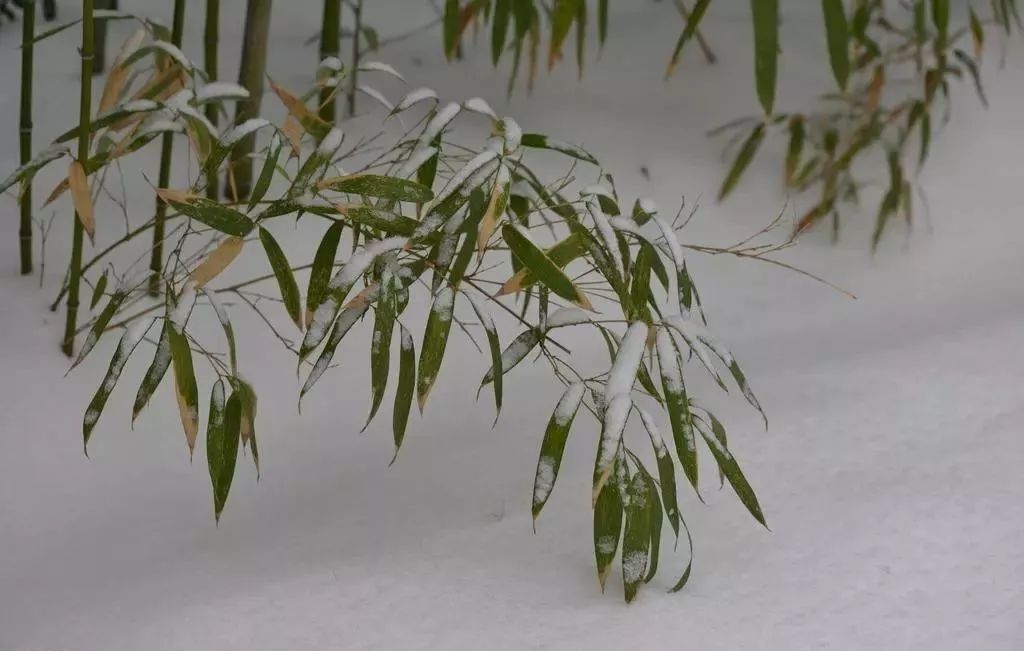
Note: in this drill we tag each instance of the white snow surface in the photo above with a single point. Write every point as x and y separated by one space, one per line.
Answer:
889 473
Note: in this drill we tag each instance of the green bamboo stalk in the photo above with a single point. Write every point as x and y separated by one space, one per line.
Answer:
99 63
330 46
166 151
84 114
353 78
250 76
210 40
28 30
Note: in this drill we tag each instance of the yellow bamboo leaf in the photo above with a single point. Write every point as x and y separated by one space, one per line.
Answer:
217 261
293 132
81 197
169 195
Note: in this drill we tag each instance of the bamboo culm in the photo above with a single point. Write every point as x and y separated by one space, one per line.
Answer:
330 46
84 113
210 41
28 30
251 77
99 62
353 79
164 179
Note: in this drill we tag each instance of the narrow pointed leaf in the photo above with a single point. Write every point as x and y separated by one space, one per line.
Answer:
607 531
222 435
514 353
185 387
217 261
156 371
731 469
495 347
384 187
380 351
129 341
285 278
534 259
743 158
837 34
553 445
215 215
405 389
82 198
765 14
100 325
435 338
677 405
323 267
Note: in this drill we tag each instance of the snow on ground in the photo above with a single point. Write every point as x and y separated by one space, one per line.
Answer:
889 473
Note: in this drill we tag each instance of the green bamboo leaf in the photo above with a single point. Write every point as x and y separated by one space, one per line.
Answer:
666 473
266 173
384 187
26 172
692 23
100 325
837 34
940 18
406 386
795 149
323 267
495 347
563 13
607 531
97 291
247 418
388 222
581 35
285 278
225 323
129 341
435 338
731 469
349 317
186 390
612 425
215 215
156 371
539 141
222 435
655 515
765 14
514 353
977 32
743 159
553 445
677 405
681 583
972 69
540 264
636 539
499 28
380 348
451 27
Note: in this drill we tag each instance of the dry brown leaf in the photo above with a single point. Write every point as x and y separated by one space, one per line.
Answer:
169 195
61 188
875 89
189 420
81 198
217 261
295 106
489 223
293 132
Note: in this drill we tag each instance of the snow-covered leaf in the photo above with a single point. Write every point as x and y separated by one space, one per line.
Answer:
129 341
435 339
375 185
405 389
553 445
539 264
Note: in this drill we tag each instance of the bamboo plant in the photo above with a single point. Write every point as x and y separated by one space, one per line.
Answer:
25 132
211 36
83 210
330 50
251 77
166 160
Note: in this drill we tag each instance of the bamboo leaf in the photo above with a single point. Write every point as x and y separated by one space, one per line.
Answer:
666 473
97 291
323 267
26 172
225 324
388 222
349 317
795 149
607 532
731 469
677 405
451 27
637 537
435 338
743 159
156 371
309 120
217 261
125 347
99 326
222 434
81 198
185 387
765 14
495 209
563 13
553 445
380 349
266 173
406 386
495 348
285 278
499 28
514 353
612 425
548 273
384 187
692 23
539 141
215 215
837 34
